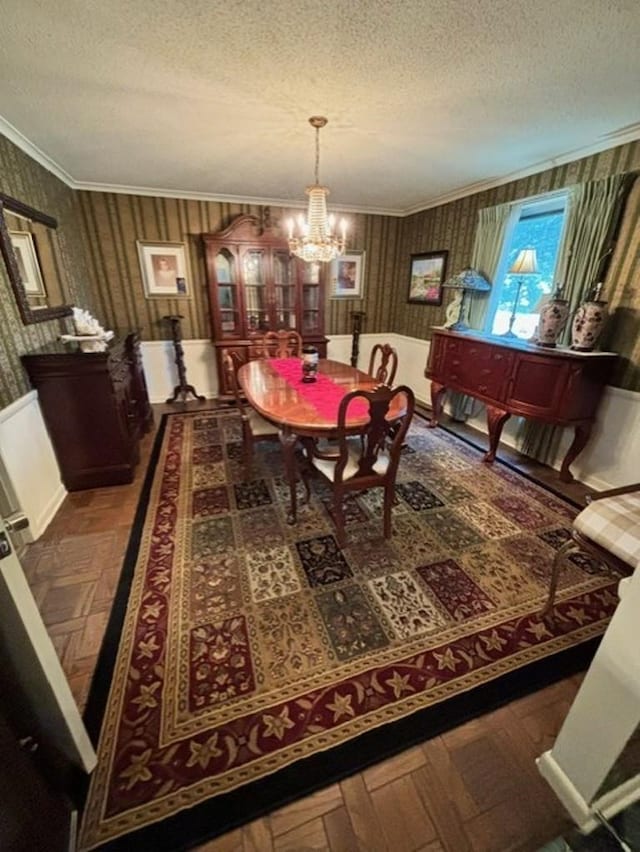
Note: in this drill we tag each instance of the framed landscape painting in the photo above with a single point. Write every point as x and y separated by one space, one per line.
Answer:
427 274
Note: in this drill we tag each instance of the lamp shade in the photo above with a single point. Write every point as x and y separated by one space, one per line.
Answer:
526 263
468 279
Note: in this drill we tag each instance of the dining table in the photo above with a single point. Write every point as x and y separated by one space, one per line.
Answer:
274 387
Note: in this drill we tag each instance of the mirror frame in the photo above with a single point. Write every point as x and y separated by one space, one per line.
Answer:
28 315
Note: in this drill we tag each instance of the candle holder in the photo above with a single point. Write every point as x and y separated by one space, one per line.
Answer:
182 389
357 319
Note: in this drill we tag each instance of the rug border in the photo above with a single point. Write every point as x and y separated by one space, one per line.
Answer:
228 811
96 705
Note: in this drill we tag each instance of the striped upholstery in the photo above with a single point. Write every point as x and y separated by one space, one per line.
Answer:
613 523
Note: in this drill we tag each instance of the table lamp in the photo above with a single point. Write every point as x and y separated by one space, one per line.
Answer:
526 263
469 280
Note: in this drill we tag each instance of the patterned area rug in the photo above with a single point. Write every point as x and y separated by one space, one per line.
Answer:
257 661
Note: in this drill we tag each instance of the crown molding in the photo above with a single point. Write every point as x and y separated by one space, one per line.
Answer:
608 140
20 141
89 186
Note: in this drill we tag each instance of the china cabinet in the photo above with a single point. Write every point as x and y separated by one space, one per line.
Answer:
255 286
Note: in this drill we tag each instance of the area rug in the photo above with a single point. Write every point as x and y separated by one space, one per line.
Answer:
251 662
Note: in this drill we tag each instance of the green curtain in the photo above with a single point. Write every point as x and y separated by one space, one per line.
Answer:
593 210
487 249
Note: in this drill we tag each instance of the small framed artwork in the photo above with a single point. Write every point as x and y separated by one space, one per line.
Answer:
427 275
347 276
164 270
24 249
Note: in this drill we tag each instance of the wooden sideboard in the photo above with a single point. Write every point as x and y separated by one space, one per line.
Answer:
95 406
511 376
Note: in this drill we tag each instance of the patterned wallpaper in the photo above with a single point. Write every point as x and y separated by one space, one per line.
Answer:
114 222
99 232
24 179
452 227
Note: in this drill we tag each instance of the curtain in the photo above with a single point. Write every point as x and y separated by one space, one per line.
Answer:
487 249
593 211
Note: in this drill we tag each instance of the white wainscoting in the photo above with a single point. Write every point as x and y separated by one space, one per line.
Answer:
612 457
339 347
30 462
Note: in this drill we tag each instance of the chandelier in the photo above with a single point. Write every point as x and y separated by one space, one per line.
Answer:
316 239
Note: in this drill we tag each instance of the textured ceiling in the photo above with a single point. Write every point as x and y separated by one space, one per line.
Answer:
425 99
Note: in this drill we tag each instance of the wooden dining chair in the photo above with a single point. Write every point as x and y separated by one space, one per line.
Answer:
254 427
367 457
281 344
383 363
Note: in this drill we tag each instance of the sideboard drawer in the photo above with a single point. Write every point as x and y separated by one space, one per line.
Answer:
476 368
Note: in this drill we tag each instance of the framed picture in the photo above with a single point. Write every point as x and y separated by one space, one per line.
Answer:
164 270
428 271
347 276
24 249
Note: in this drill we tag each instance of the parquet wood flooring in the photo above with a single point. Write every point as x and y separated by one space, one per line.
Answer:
475 788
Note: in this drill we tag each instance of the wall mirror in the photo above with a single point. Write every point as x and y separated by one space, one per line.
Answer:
31 252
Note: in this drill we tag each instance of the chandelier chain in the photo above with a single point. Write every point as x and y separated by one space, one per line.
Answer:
317 155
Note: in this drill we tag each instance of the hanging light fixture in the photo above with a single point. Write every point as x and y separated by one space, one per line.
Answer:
316 239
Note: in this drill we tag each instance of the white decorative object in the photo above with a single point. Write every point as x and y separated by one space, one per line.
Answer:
454 309
89 333
85 323
93 345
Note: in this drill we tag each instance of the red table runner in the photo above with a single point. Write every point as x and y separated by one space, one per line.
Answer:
324 394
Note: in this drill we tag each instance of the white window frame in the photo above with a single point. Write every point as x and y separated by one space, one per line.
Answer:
536 204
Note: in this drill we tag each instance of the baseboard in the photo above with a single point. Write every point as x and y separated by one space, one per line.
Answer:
580 811
39 525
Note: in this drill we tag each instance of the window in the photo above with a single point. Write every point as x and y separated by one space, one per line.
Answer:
539 225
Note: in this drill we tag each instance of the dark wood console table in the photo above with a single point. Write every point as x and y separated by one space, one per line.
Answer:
557 386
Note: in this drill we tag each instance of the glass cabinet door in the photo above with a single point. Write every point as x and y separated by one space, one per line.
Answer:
284 283
256 305
228 301
311 319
